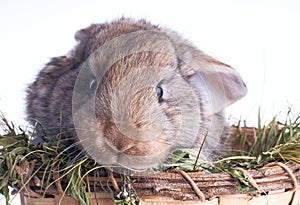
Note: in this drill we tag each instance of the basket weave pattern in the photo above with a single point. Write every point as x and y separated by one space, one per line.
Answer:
276 183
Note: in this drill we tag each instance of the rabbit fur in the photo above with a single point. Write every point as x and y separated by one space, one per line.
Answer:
130 92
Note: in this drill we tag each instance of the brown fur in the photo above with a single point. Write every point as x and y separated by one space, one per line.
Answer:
130 126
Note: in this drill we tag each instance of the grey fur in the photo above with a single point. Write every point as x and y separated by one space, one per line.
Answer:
213 84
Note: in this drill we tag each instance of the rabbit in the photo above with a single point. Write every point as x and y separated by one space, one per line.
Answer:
131 92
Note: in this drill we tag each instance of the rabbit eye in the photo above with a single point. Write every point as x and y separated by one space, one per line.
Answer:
93 85
159 92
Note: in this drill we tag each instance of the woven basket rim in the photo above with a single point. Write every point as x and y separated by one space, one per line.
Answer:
183 185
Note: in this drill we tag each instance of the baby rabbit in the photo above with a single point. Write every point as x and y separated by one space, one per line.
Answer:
130 92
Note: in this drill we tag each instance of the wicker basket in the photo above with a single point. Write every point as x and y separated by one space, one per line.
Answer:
284 198
277 185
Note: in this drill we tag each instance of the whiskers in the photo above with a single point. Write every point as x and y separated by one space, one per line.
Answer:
75 152
67 145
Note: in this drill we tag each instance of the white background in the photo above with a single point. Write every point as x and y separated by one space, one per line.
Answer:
259 38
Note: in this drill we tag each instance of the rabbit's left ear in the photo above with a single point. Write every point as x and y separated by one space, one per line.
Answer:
221 83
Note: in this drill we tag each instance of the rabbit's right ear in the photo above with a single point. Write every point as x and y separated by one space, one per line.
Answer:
222 84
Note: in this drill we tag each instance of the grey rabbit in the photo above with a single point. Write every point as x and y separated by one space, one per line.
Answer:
130 92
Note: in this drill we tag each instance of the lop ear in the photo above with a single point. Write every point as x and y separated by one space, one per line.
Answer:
221 82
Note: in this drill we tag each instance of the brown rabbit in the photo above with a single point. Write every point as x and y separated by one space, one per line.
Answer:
130 92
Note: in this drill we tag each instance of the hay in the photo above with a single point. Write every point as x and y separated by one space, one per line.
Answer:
41 172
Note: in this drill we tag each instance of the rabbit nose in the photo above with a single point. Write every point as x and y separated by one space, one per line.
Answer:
128 146
124 145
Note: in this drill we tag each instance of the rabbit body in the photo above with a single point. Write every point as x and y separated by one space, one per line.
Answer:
130 92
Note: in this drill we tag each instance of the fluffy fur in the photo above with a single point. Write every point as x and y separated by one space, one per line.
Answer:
101 97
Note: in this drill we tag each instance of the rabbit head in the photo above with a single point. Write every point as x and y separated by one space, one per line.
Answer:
143 90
